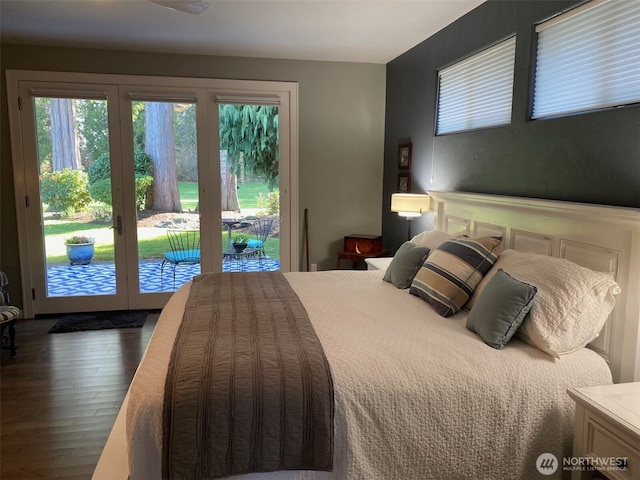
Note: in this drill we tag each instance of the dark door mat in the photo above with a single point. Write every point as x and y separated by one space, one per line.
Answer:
77 322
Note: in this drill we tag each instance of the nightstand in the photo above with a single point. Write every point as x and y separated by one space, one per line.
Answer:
358 247
356 257
607 430
378 263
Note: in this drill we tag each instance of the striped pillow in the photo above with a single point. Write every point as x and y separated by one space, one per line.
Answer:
451 273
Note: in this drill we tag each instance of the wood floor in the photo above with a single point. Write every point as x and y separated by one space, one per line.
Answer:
60 397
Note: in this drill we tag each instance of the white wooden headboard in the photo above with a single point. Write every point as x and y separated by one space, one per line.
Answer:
599 237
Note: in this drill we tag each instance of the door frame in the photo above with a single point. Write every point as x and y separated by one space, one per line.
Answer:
207 91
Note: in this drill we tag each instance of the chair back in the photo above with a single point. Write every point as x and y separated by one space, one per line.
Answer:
185 246
262 228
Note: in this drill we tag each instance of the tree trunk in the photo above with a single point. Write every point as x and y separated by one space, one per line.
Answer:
64 135
229 186
159 146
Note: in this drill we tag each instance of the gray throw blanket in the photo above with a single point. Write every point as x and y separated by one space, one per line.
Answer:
249 388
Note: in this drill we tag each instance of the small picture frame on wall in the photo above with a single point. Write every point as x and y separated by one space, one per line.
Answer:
404 157
404 182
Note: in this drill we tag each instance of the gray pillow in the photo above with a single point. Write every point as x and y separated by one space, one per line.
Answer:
500 309
405 264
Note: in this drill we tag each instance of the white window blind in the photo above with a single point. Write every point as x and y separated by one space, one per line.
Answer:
588 59
477 91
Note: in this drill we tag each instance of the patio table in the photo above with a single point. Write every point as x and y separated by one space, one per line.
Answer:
229 222
239 257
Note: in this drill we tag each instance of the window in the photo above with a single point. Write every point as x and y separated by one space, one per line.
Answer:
110 127
477 91
588 59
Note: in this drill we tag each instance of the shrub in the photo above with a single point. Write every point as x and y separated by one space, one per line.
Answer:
143 186
144 178
100 178
143 165
100 190
102 214
65 191
269 205
100 169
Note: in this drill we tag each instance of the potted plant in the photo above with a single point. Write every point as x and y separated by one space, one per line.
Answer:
239 242
79 249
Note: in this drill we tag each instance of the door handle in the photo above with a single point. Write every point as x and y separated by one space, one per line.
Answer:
118 225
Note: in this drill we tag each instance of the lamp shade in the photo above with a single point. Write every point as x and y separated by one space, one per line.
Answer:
410 204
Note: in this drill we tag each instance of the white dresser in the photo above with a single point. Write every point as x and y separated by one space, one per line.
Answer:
607 431
378 263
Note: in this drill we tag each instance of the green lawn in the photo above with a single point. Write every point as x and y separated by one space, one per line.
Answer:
247 194
152 242
188 195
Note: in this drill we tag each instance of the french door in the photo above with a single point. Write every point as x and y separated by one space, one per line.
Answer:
115 164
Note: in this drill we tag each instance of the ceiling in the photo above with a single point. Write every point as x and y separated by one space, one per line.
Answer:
328 30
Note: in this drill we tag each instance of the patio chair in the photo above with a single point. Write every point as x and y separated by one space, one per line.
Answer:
262 228
185 249
8 316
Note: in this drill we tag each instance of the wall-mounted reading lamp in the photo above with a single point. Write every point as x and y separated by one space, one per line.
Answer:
410 205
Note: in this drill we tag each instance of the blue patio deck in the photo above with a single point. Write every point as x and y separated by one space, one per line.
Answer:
99 278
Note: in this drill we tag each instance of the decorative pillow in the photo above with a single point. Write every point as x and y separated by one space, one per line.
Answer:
572 303
405 264
431 239
500 309
451 272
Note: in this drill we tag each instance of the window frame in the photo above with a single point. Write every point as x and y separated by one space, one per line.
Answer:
545 111
484 59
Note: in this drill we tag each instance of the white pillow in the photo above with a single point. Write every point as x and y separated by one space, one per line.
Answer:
572 303
431 239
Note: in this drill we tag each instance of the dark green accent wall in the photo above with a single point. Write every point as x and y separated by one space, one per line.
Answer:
590 158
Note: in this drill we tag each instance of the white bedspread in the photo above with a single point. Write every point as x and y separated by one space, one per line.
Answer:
418 396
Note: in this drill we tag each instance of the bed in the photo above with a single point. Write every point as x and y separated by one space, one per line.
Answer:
419 394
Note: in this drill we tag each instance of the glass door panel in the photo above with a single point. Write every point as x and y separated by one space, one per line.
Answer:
81 151
167 203
249 174
73 164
